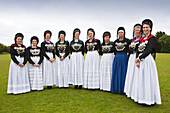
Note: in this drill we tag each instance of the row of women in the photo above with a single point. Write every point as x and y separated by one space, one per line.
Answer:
134 74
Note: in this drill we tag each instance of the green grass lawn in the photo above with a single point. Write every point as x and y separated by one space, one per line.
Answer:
70 100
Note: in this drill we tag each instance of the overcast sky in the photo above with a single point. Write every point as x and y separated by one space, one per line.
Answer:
33 17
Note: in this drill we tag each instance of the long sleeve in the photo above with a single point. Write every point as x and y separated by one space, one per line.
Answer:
29 58
13 55
149 49
85 48
41 58
99 47
53 53
57 52
43 50
25 57
67 51
82 48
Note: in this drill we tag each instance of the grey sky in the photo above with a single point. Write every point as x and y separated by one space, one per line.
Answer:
33 17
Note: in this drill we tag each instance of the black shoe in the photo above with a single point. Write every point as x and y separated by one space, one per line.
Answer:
49 87
76 86
80 86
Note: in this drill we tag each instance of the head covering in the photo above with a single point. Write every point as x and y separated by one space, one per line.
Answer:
47 32
106 33
121 28
136 26
76 30
34 38
92 30
61 32
18 35
147 21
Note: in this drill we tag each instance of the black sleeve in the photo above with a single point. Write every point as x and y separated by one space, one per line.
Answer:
12 52
67 51
149 49
41 58
82 48
115 51
85 48
71 49
53 53
128 51
25 57
57 52
29 58
43 50
130 48
99 47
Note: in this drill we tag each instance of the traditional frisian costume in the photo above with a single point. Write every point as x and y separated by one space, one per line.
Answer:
147 85
35 56
76 70
62 67
18 80
120 64
106 64
48 67
132 70
92 63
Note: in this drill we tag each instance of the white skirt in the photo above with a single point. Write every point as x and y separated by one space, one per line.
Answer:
131 79
106 71
146 88
35 74
92 70
18 80
76 69
62 72
48 70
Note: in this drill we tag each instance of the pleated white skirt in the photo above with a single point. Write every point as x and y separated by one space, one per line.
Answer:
92 70
61 72
76 69
18 80
35 74
131 79
48 70
146 88
106 71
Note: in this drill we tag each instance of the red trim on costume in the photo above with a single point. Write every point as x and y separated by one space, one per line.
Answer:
143 40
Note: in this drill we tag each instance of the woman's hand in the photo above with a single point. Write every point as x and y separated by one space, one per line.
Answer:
138 64
62 58
51 60
21 65
36 65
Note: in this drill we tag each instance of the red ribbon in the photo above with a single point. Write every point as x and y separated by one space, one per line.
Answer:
143 40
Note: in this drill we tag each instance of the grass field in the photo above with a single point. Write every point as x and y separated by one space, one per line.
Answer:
70 100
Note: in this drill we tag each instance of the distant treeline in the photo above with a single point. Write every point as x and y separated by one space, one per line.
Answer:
163 43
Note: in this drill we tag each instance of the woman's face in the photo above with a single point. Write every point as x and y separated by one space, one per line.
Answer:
107 39
90 34
62 36
19 40
34 42
121 34
76 35
137 32
146 29
47 37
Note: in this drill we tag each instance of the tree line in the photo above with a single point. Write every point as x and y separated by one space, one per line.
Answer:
162 45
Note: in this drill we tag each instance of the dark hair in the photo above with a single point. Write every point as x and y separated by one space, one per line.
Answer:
76 30
149 22
47 32
92 30
18 35
106 33
61 32
137 25
34 38
121 28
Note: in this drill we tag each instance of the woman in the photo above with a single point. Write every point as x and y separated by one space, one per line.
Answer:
35 58
62 61
92 62
148 92
132 69
49 56
106 62
76 60
18 80
120 62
